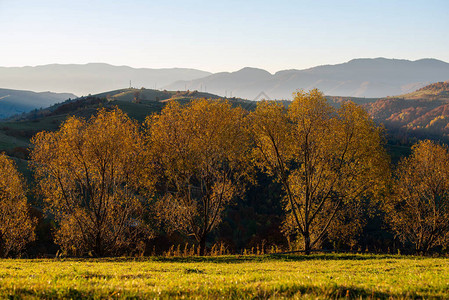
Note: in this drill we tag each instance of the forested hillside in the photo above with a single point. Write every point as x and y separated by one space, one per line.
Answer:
421 113
239 159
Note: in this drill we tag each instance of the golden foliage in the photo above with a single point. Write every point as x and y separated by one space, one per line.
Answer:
16 225
89 173
326 159
203 151
418 211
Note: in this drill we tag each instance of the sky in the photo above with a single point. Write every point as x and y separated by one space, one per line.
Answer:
220 35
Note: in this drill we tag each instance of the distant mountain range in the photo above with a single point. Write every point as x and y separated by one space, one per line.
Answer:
365 79
16 102
374 78
90 78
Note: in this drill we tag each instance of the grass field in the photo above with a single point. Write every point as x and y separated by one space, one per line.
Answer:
316 276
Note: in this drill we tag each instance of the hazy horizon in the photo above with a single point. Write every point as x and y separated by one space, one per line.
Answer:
357 78
220 37
229 71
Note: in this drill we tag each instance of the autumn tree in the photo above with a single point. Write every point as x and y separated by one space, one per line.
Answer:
202 149
326 160
90 173
418 211
16 225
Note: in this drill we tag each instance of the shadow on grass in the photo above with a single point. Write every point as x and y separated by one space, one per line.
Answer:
275 257
233 292
245 258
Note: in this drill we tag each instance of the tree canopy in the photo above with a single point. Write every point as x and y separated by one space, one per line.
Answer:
418 211
16 225
90 173
203 151
325 158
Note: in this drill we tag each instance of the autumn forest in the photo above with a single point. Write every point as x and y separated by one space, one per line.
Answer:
210 176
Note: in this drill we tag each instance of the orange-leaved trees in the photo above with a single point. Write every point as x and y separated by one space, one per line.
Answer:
326 159
90 174
418 210
16 225
203 151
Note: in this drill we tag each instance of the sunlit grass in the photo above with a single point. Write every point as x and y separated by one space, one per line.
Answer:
326 276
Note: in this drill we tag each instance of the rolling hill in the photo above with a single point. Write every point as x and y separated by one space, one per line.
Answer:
424 111
90 78
16 132
436 91
373 78
403 115
16 102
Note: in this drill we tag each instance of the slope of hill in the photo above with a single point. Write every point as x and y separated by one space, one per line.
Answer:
90 78
16 132
424 111
436 91
16 102
374 78
428 117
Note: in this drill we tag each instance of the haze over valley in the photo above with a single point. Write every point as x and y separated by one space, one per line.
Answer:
92 78
370 78
378 77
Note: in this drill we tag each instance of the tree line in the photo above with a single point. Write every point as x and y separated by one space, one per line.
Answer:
111 184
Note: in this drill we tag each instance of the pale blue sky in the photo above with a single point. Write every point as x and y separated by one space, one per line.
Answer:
220 35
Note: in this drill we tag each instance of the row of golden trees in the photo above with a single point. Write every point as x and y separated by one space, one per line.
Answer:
109 181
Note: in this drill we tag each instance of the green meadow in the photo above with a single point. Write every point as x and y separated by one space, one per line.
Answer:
238 277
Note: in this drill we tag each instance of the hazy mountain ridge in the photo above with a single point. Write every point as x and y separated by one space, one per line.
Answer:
375 78
16 101
417 107
90 78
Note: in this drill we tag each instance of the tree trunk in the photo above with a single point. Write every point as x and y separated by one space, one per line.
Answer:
307 247
3 252
98 246
202 245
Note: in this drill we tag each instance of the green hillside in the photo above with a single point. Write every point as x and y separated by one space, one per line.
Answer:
16 132
435 91
422 114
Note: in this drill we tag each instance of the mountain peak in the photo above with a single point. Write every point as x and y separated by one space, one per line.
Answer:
251 70
383 60
362 77
377 60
